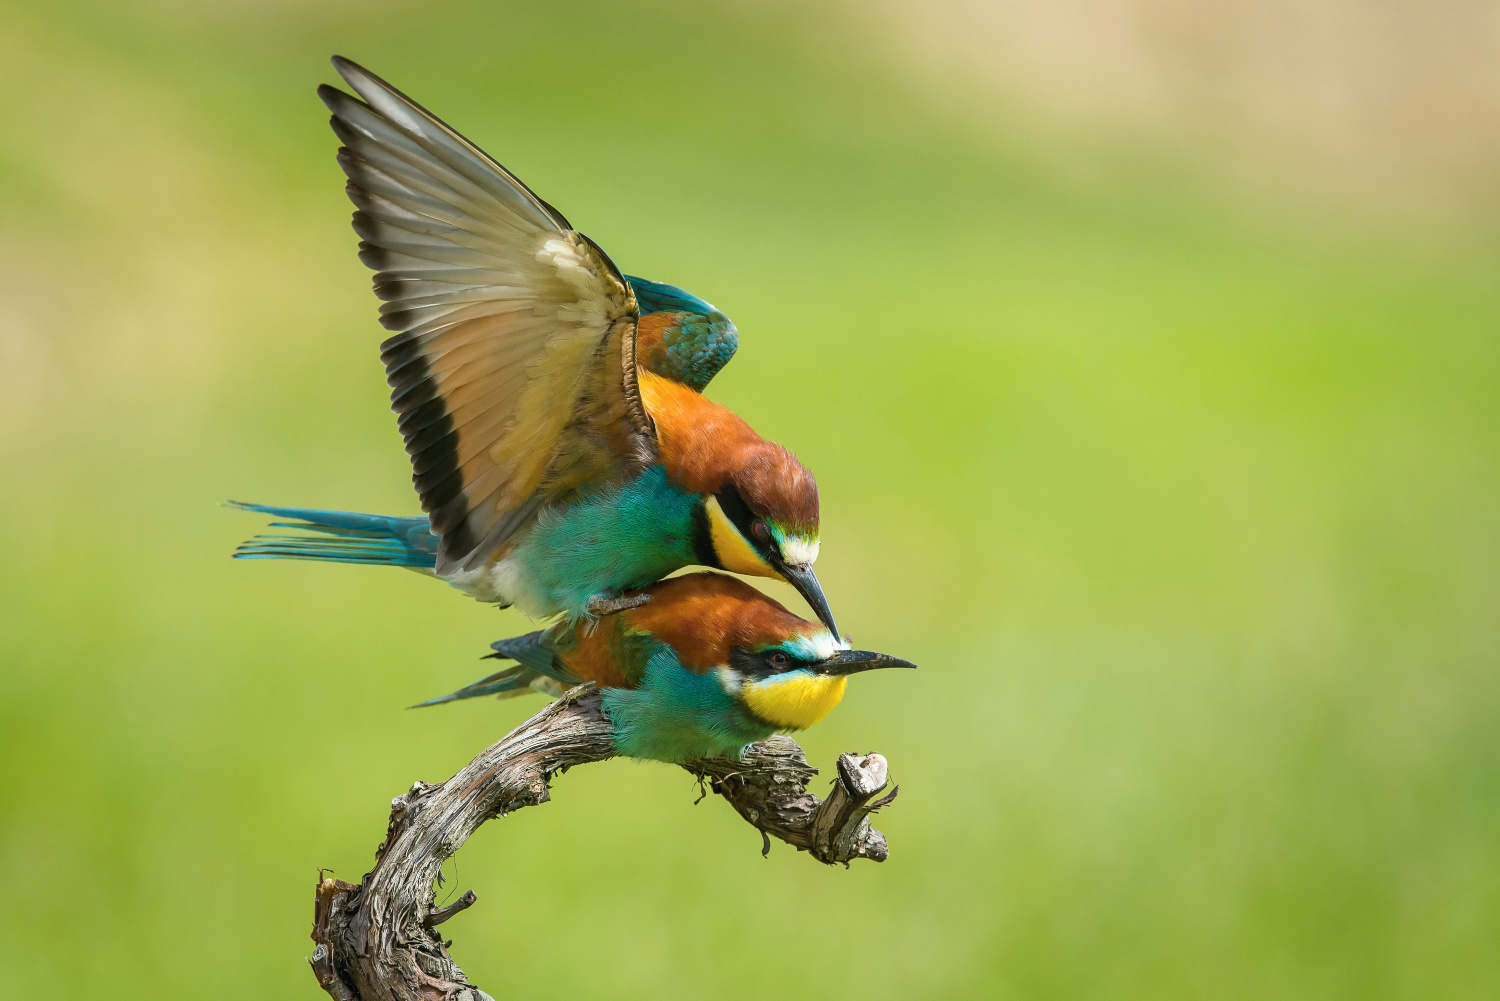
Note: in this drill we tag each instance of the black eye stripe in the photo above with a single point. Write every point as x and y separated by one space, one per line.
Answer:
763 664
736 510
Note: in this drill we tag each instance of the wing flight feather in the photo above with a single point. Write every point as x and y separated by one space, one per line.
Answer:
512 362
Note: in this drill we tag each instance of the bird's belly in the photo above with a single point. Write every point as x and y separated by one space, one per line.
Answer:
612 541
501 582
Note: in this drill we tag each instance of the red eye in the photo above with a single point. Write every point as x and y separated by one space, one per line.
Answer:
760 531
778 659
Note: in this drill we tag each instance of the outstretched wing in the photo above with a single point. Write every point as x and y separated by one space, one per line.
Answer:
513 366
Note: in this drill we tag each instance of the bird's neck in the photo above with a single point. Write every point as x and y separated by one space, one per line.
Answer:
699 442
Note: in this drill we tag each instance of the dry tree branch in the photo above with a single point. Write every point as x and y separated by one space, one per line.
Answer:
374 941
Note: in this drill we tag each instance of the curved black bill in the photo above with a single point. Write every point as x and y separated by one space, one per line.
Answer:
855 661
801 577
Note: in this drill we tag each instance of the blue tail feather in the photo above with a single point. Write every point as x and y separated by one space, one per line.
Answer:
342 537
528 650
512 680
533 651
534 662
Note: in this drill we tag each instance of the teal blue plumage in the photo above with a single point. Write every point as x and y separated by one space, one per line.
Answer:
342 537
673 714
629 535
659 297
537 667
681 337
532 651
697 343
696 347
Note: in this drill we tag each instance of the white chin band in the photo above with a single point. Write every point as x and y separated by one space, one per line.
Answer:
799 550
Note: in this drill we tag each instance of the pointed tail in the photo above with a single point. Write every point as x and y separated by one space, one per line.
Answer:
342 537
537 669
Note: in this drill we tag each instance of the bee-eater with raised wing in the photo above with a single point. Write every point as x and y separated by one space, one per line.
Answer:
707 666
560 443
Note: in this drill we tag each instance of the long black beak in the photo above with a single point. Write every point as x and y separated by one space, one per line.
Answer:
801 576
855 661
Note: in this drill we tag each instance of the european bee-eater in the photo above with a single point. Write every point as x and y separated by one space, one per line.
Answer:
707 666
552 407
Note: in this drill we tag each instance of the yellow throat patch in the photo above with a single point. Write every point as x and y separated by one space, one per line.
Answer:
796 701
730 547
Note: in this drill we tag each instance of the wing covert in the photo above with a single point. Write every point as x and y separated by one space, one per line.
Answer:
512 367
680 336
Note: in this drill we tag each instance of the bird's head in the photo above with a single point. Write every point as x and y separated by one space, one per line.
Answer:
793 683
763 522
786 671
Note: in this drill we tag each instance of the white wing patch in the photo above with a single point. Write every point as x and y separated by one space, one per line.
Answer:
592 309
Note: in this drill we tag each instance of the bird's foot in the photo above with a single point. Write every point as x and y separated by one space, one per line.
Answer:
603 604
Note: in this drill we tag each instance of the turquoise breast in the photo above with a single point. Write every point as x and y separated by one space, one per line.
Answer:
611 541
674 714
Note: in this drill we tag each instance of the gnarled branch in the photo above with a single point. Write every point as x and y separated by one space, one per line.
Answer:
374 941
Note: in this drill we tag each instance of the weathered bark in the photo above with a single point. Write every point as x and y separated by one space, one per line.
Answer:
375 941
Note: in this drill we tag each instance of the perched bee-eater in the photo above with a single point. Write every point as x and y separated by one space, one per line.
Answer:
707 666
552 407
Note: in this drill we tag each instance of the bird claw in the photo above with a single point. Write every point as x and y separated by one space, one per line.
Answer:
601 604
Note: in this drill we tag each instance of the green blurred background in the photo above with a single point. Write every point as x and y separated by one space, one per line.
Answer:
1157 421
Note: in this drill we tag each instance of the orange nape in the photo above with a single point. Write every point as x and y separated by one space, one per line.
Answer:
703 446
